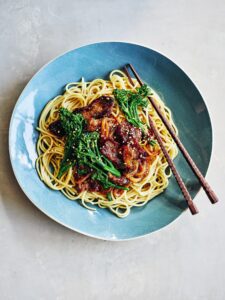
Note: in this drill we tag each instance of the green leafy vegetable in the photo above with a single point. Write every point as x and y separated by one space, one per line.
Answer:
130 101
82 148
71 123
73 127
102 177
88 154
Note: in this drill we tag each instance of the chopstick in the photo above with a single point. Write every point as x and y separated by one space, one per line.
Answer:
176 174
210 193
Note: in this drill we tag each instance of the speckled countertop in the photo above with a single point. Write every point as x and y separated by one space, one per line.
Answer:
40 259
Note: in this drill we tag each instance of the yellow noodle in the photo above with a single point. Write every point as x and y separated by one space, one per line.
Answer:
50 149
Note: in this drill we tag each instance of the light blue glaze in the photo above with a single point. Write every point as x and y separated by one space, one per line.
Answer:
97 60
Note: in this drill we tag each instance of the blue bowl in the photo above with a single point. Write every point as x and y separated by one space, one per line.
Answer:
97 60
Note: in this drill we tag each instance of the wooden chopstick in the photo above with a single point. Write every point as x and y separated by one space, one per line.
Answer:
210 193
176 174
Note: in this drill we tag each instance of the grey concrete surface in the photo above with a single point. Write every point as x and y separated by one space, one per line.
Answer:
40 259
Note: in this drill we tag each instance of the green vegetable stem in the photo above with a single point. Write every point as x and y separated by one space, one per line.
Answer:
130 101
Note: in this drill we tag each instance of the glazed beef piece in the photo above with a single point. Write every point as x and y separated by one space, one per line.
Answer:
94 185
99 108
110 149
82 186
91 186
131 154
93 113
119 180
81 172
94 125
126 133
56 129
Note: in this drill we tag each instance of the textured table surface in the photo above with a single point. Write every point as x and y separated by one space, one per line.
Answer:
40 259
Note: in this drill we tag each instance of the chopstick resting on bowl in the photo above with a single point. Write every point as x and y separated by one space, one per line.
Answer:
210 193
176 174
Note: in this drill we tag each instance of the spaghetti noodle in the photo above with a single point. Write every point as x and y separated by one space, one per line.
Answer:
147 178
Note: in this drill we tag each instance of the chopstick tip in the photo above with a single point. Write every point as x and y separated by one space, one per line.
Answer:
193 208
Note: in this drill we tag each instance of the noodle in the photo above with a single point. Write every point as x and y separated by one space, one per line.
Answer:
146 181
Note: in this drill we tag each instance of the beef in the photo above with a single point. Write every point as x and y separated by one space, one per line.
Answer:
56 128
126 133
129 137
83 186
110 149
91 185
94 125
119 180
99 108
142 154
94 186
131 154
82 172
